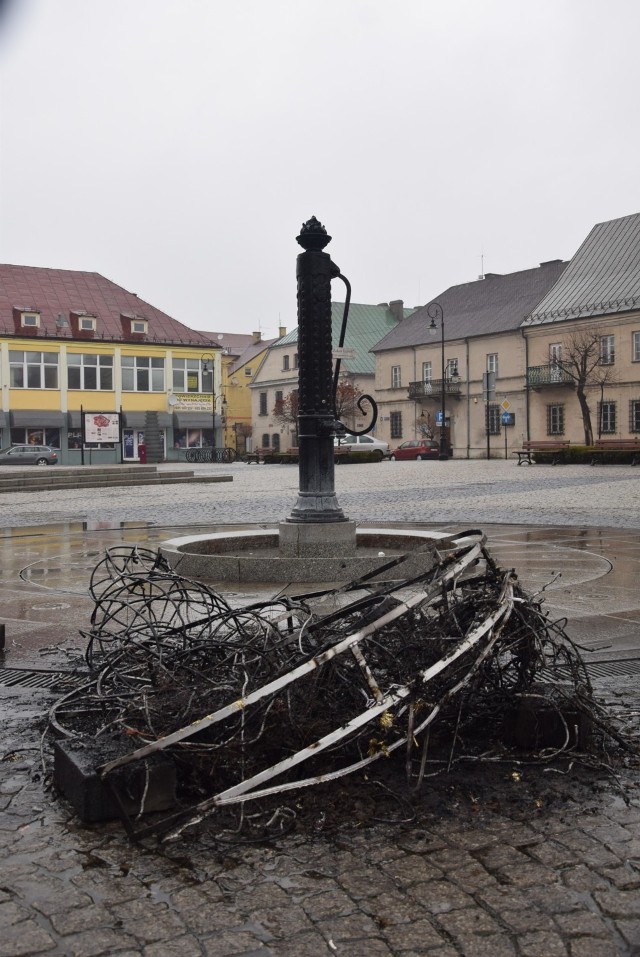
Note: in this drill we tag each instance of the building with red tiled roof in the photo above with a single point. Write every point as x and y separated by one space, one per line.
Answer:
74 345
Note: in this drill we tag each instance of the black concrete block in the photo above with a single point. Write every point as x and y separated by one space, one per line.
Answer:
74 776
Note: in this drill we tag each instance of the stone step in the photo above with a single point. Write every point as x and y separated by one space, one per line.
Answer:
101 479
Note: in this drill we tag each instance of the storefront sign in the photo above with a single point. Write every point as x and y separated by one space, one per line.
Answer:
190 402
101 427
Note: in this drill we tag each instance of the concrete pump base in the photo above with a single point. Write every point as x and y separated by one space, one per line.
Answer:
256 556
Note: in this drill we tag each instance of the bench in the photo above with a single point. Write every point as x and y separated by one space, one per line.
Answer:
603 446
256 456
557 450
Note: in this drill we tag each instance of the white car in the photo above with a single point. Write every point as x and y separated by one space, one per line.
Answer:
363 443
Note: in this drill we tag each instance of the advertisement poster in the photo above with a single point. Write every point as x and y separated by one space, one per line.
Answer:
102 427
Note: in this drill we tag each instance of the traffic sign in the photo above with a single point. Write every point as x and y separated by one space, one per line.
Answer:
506 405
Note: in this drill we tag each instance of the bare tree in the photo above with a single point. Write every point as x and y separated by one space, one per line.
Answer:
347 396
581 359
285 411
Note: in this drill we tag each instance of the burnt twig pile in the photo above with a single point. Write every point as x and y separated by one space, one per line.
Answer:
258 700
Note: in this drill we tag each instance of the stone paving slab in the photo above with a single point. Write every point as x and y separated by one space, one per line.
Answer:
547 866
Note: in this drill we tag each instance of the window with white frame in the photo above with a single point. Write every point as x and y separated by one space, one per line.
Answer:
87 324
396 377
492 363
555 420
395 423
86 371
33 370
139 326
248 371
634 415
142 373
427 371
607 350
192 375
452 368
607 417
635 346
30 320
555 359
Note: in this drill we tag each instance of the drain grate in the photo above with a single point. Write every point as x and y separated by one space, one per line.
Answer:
614 669
622 668
24 678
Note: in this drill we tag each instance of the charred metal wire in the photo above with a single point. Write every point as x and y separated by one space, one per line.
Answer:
255 701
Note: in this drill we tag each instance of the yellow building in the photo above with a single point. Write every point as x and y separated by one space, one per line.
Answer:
242 357
90 369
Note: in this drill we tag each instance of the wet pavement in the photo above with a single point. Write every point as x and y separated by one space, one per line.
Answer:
529 862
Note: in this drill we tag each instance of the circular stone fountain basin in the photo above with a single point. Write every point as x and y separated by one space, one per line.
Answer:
254 556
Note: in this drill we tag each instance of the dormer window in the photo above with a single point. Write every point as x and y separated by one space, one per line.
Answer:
87 324
30 320
139 326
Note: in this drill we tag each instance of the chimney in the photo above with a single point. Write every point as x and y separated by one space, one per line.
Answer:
257 336
282 331
396 306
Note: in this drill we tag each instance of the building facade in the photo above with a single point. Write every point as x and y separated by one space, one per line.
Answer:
76 350
583 342
274 423
468 339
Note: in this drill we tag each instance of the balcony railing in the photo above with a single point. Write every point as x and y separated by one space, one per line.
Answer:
540 376
433 389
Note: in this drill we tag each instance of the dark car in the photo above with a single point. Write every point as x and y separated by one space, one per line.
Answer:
416 449
28 455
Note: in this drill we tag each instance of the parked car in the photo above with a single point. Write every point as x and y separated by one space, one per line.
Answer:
363 443
416 449
28 455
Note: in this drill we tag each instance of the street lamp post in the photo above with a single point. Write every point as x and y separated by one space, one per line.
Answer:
435 311
206 359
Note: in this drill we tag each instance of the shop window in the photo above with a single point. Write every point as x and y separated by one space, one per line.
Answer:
36 436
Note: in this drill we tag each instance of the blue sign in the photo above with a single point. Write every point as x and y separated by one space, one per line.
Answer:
508 418
439 417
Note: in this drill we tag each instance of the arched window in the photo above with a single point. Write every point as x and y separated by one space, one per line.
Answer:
275 442
265 440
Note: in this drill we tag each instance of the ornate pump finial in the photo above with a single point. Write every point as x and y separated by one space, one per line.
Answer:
313 235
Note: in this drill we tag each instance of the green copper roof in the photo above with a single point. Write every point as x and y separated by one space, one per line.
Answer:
366 326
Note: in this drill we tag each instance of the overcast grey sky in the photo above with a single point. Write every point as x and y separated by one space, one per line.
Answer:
176 146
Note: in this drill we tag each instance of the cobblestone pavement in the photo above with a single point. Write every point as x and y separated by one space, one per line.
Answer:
473 492
534 863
